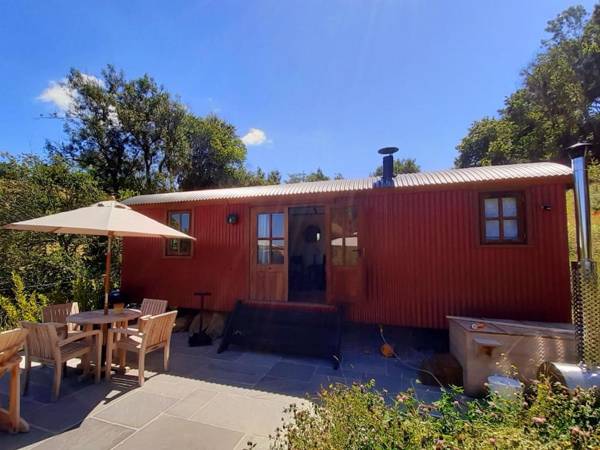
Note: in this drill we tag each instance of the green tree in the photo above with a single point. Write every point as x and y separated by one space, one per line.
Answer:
48 263
557 105
317 175
133 136
408 165
129 134
258 178
154 124
216 154
96 140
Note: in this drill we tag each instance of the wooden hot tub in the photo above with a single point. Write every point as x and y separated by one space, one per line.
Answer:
484 347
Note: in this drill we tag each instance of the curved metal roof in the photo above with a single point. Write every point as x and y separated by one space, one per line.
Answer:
439 178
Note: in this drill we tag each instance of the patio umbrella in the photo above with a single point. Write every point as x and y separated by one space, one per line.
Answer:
109 218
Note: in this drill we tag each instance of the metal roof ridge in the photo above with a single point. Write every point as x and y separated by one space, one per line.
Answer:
430 178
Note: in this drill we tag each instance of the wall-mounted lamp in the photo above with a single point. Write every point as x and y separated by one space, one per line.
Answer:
232 218
547 207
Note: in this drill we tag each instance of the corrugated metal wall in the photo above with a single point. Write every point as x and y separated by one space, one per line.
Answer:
219 263
423 257
424 261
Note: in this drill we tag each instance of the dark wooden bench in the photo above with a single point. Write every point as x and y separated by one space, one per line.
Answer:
296 328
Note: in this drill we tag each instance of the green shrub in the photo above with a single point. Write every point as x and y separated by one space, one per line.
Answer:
22 306
360 417
87 292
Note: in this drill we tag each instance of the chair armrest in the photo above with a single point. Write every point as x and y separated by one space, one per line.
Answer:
127 331
62 329
78 336
142 321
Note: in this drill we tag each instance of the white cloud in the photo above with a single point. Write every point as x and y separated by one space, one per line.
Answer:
92 79
255 136
61 95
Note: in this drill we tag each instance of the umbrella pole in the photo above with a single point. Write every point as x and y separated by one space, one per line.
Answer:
107 273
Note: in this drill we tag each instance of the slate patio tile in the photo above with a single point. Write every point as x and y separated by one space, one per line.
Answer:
61 415
364 363
192 403
27 404
182 365
23 440
228 372
244 414
406 369
137 409
292 370
331 372
209 351
159 385
171 433
259 358
285 386
42 391
92 434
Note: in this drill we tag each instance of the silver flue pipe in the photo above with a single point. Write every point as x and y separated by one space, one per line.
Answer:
585 298
578 153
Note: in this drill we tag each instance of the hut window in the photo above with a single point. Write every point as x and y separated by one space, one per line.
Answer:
270 234
502 218
344 236
180 220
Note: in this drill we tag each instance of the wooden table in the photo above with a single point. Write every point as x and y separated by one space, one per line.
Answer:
88 319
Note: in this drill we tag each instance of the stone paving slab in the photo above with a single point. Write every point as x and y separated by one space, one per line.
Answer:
241 413
92 434
207 400
292 371
137 409
23 440
190 405
170 433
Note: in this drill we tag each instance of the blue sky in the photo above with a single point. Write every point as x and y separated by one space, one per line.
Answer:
327 82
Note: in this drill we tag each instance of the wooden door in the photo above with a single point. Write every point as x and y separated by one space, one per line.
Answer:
347 282
269 254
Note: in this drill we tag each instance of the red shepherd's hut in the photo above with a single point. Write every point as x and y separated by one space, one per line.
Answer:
408 250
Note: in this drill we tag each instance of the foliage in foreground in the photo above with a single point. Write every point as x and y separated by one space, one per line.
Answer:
360 417
21 305
63 267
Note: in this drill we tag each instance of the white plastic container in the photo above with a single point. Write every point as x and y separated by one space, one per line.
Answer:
504 386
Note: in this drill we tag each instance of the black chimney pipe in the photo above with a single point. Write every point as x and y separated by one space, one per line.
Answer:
387 176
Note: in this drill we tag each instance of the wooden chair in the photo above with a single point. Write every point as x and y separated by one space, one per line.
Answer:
58 314
43 345
154 333
153 307
10 343
150 307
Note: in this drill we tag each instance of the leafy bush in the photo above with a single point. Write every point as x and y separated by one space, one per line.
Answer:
594 178
63 267
22 306
87 292
360 417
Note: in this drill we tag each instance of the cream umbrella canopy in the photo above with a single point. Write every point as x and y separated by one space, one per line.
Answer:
109 218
